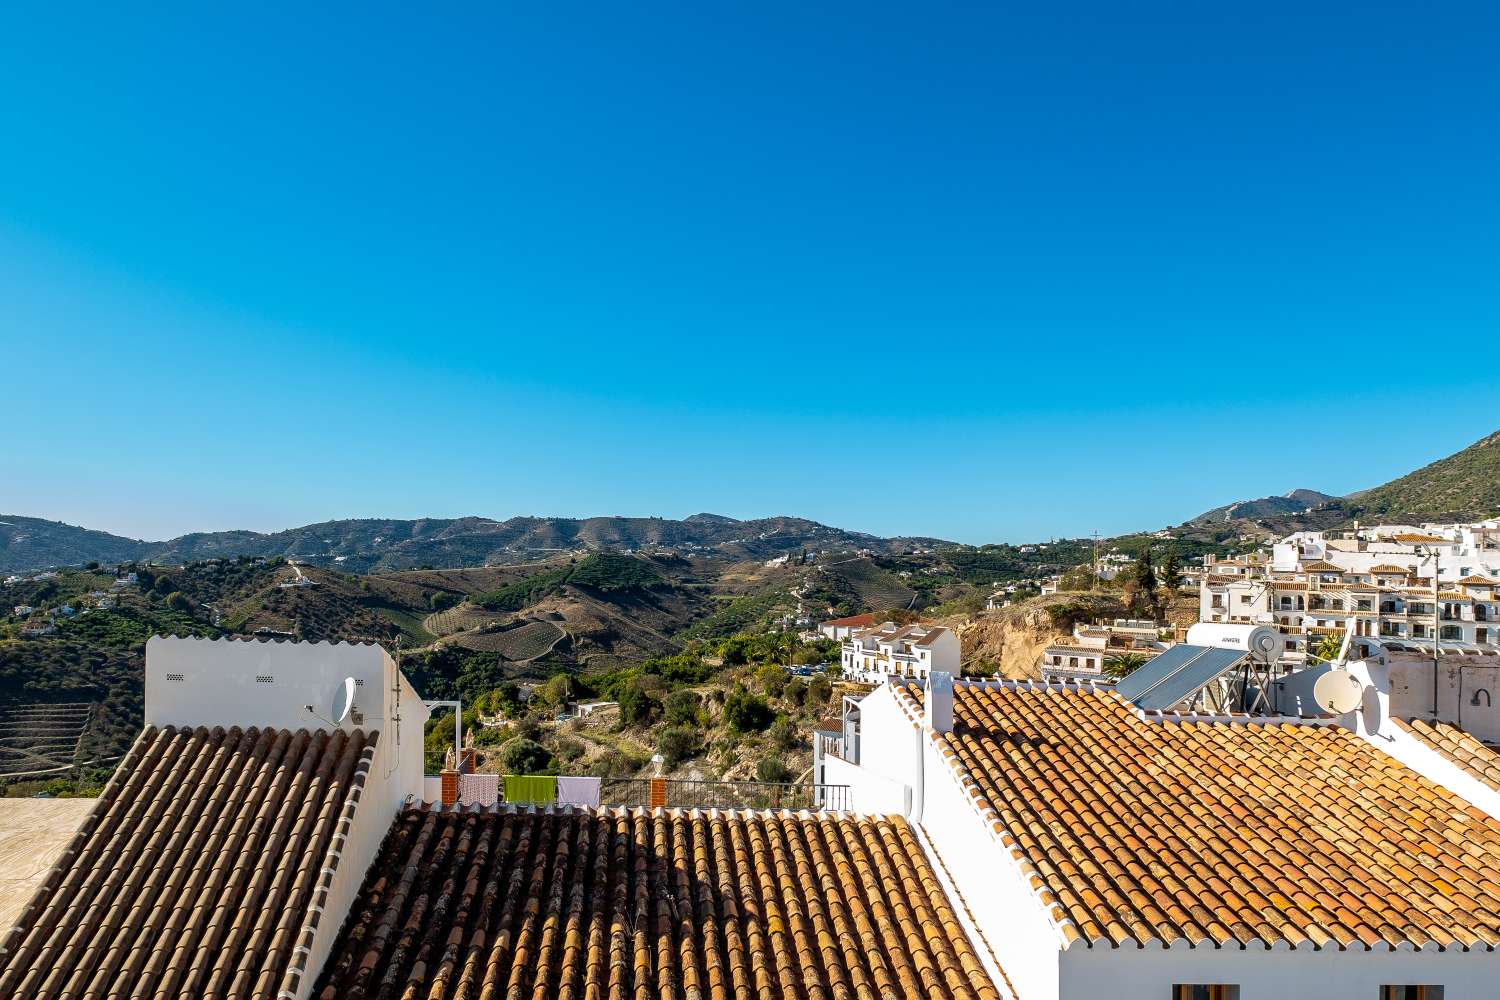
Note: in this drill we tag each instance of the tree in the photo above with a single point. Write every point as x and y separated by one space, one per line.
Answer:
819 690
1327 649
637 707
680 708
772 679
745 712
677 743
772 769
1171 571
558 690
784 734
178 601
1123 664
1140 584
523 756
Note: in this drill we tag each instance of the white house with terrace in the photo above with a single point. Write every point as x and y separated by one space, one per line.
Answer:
873 655
1107 851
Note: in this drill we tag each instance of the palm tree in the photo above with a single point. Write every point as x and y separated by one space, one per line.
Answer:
1124 664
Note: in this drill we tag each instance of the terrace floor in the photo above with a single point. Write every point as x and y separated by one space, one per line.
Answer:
33 834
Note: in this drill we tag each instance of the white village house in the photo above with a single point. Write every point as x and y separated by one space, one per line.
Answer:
889 650
1102 850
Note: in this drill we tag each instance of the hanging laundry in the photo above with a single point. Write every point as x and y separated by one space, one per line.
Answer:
530 789
578 792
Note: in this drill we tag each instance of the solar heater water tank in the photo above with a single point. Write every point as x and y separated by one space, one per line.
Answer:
1261 642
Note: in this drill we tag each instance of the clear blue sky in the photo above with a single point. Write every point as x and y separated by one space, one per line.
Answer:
982 274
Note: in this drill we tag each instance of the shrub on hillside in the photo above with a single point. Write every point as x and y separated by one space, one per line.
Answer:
746 713
677 743
773 769
637 706
772 679
681 708
785 735
522 756
819 690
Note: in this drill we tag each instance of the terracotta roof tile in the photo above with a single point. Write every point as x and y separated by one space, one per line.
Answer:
195 870
1147 830
1463 749
619 903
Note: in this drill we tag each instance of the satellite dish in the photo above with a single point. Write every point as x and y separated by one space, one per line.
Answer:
343 700
1338 692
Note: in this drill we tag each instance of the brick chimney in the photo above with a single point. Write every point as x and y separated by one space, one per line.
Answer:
938 704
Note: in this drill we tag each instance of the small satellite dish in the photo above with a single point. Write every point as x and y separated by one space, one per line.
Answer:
343 701
1338 692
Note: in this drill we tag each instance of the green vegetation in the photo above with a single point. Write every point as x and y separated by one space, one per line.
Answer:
1466 484
606 572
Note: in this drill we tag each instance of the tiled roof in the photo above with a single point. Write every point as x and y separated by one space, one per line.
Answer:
1388 568
1320 566
1140 830
932 636
620 903
852 620
196 869
1456 744
1479 581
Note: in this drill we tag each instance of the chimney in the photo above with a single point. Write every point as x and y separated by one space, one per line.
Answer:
938 705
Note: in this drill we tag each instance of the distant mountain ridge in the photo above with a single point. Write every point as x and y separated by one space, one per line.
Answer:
1464 486
363 545
1295 502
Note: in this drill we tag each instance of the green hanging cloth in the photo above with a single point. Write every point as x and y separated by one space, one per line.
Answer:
530 789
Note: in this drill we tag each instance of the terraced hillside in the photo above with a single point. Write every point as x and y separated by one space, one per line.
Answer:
41 738
519 644
874 586
462 618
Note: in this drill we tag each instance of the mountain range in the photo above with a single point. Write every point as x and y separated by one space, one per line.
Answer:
1462 486
377 545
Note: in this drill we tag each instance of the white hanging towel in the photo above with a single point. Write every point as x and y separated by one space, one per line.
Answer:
478 789
578 792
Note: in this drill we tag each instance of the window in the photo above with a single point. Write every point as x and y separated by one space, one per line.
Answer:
1208 991
1411 993
1453 633
1244 598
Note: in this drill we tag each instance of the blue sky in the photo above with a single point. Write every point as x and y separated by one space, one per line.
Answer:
988 274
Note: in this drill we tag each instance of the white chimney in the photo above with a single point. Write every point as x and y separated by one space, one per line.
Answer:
938 705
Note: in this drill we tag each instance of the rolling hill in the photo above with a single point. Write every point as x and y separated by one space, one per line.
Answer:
1463 485
375 545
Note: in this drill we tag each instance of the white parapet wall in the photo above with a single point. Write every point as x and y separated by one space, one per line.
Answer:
291 685
1281 973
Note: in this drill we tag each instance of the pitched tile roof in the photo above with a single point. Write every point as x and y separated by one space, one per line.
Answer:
625 903
195 871
1137 830
932 636
852 620
1463 749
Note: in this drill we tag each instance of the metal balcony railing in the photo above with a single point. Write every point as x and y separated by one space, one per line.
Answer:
687 794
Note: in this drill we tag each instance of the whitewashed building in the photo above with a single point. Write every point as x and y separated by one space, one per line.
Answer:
1103 851
900 651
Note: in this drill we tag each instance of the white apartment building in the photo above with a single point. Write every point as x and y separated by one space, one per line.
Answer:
1105 851
1084 656
891 651
1313 582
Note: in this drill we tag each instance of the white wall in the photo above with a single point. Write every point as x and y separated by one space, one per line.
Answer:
1008 913
868 792
1282 974
224 682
